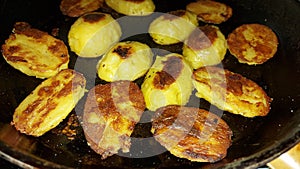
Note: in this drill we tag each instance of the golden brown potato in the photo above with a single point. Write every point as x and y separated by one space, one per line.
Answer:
191 133
168 28
132 7
205 46
231 92
110 114
210 11
93 34
168 81
252 43
125 61
34 52
76 8
49 103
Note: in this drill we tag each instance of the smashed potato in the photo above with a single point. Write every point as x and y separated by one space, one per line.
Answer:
49 103
168 28
191 133
76 8
210 11
132 7
125 61
231 92
205 46
252 43
93 34
167 82
110 113
34 52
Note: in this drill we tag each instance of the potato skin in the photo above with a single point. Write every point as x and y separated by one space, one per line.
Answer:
49 103
231 92
26 43
205 46
93 34
191 133
132 7
125 61
167 28
167 82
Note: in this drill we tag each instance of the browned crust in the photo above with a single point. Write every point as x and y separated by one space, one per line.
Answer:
236 89
93 17
103 101
208 17
136 1
76 8
13 53
202 38
192 133
174 14
50 94
123 51
263 41
170 72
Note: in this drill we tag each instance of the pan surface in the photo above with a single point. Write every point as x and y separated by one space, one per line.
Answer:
256 141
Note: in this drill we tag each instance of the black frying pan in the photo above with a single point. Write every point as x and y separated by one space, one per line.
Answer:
256 141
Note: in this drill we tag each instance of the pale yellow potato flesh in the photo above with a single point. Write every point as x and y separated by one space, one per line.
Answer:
93 34
125 61
167 82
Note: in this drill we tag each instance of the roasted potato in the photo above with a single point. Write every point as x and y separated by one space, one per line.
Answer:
132 7
168 28
167 82
125 61
34 52
76 8
205 46
231 92
210 11
191 133
110 114
49 103
93 34
252 43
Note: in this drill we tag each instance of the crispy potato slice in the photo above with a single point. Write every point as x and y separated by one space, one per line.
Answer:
252 43
125 61
191 133
34 52
210 11
132 7
110 114
168 81
168 28
93 34
205 46
49 103
76 8
231 92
